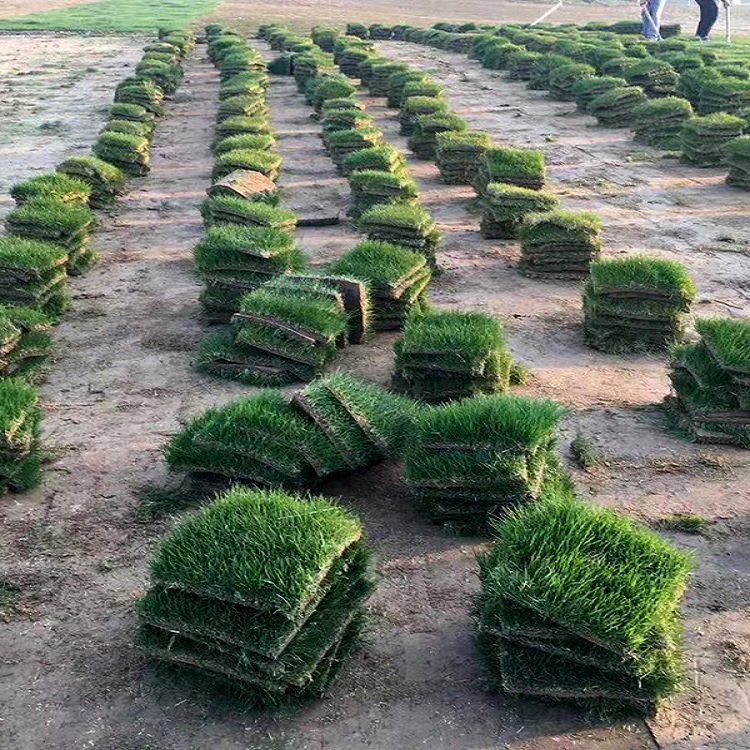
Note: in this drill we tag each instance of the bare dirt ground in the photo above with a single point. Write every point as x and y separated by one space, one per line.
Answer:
302 14
54 91
73 554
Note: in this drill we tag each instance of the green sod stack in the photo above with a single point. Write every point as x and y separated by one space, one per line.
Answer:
340 104
266 163
379 31
397 83
559 244
132 113
655 77
380 75
523 167
658 122
457 155
724 95
636 304
562 80
65 224
20 416
33 275
364 68
505 206
543 67
228 209
447 355
253 141
580 603
328 87
396 277
142 92
340 143
128 127
384 158
423 138
371 187
711 382
738 158
334 424
411 226
243 105
358 30
587 89
260 590
25 343
415 106
324 37
233 260
470 460
54 185
424 87
106 180
344 119
705 139
614 108
241 125
521 65
129 153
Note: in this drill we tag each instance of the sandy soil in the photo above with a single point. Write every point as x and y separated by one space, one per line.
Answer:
73 554
302 14
54 91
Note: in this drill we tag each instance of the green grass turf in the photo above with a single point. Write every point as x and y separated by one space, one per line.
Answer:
380 264
113 15
55 185
265 549
47 218
728 341
30 258
593 572
641 273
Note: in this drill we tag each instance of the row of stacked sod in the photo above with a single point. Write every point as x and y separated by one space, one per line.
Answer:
579 603
711 382
333 424
445 355
20 417
559 244
636 304
260 590
249 239
469 460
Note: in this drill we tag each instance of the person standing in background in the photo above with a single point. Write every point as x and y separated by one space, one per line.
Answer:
709 14
651 11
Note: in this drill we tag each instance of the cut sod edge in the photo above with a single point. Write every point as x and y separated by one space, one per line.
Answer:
305 335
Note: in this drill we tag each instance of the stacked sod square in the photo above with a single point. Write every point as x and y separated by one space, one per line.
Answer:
423 139
559 244
522 167
25 343
738 159
711 382
333 424
52 185
659 122
374 187
396 276
20 417
49 220
581 604
469 460
705 139
458 155
259 589
105 180
504 207
445 355
615 107
636 304
402 224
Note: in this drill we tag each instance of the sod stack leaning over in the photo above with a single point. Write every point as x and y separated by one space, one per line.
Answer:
636 303
259 589
333 424
711 382
33 274
51 220
559 244
20 416
396 278
471 459
579 603
446 355
25 343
